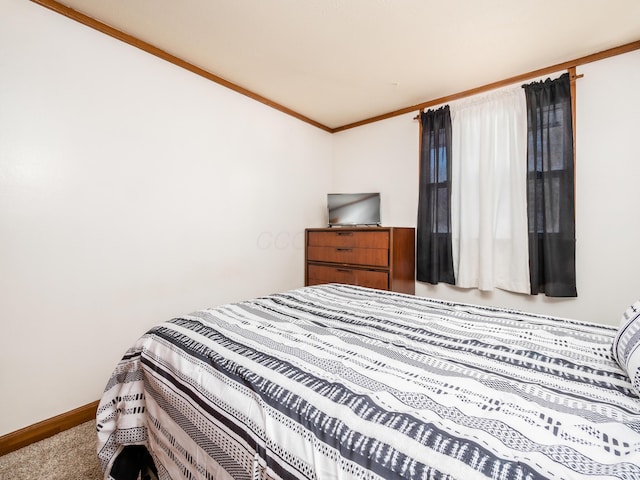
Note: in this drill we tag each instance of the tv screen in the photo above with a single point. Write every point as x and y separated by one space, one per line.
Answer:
353 209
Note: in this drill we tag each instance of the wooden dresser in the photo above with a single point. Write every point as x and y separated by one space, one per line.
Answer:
376 257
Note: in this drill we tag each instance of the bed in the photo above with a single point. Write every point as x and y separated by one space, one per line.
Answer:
343 382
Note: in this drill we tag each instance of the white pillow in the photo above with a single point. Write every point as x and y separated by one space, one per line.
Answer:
626 344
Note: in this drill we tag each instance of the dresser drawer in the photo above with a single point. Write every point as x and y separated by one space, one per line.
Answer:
359 239
365 278
375 257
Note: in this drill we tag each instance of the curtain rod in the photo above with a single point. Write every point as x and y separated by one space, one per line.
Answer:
491 86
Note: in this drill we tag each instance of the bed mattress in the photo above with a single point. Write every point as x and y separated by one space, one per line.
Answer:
342 382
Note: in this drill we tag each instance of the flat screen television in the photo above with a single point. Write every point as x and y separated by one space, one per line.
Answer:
353 209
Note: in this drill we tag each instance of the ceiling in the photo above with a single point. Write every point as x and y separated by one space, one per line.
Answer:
338 62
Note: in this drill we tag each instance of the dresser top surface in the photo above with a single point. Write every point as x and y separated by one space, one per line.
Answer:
356 228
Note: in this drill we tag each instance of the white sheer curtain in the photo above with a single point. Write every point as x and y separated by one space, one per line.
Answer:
489 191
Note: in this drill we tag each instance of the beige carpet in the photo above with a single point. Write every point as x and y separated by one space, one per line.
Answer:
70 455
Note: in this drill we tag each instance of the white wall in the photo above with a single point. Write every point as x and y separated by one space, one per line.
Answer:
607 176
381 157
131 191
384 157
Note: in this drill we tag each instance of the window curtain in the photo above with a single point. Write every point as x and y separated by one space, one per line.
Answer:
489 192
551 203
434 257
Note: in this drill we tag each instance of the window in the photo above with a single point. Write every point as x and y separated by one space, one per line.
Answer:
496 194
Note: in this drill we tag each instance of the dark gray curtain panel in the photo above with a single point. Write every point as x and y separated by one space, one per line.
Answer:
434 257
550 188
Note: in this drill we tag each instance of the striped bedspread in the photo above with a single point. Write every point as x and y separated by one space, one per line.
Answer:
342 382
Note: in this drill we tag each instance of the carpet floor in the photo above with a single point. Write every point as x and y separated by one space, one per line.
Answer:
69 455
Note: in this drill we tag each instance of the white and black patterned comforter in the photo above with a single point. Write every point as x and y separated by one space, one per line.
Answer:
341 382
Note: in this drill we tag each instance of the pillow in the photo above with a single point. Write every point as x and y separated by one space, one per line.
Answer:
626 344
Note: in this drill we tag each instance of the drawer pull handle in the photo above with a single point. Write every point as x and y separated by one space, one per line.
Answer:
344 234
343 249
343 270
